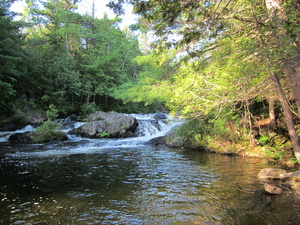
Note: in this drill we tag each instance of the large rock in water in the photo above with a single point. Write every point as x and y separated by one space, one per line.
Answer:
21 137
272 189
108 125
272 173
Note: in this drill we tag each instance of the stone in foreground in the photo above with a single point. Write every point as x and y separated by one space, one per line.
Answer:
271 173
271 189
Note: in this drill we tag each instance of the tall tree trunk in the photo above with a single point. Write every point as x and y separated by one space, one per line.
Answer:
88 99
271 113
288 116
292 71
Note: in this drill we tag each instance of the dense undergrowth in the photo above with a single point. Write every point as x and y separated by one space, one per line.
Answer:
231 134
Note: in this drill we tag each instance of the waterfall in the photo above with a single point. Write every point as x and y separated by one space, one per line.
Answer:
4 135
149 127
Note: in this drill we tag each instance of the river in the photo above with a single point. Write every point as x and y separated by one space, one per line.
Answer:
127 181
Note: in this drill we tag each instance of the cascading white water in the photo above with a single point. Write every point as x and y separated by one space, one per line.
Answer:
148 128
4 135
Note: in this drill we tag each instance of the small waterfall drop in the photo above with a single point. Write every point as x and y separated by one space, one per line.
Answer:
4 135
149 127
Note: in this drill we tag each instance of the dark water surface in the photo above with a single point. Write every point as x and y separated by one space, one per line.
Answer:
52 184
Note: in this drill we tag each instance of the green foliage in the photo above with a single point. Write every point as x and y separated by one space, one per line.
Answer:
211 129
280 155
104 135
12 57
265 140
52 113
153 84
230 50
72 60
49 131
87 109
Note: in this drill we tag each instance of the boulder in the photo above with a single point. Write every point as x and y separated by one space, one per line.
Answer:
32 115
171 139
271 173
68 123
293 175
271 189
158 141
21 137
174 140
160 116
108 125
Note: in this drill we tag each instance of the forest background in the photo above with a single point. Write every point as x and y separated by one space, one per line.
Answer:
231 68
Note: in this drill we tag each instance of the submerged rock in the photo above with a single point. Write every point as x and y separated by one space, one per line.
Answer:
271 173
272 189
108 125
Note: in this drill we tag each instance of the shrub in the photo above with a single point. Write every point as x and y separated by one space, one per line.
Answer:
49 131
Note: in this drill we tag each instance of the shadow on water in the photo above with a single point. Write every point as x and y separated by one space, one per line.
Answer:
88 182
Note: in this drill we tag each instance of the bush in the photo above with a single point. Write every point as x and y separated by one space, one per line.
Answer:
265 140
49 131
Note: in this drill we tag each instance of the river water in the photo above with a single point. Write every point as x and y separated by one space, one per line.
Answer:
127 181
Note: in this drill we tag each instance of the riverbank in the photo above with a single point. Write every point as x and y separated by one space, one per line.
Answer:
274 155
264 141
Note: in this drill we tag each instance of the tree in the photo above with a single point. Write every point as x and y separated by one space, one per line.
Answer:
12 56
284 37
54 39
77 60
284 44
108 58
202 27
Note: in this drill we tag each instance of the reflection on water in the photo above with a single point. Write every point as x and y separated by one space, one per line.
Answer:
141 185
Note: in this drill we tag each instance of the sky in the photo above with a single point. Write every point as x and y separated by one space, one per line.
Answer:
86 6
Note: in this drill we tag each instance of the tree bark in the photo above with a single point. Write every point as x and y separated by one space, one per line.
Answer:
293 75
271 113
288 116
